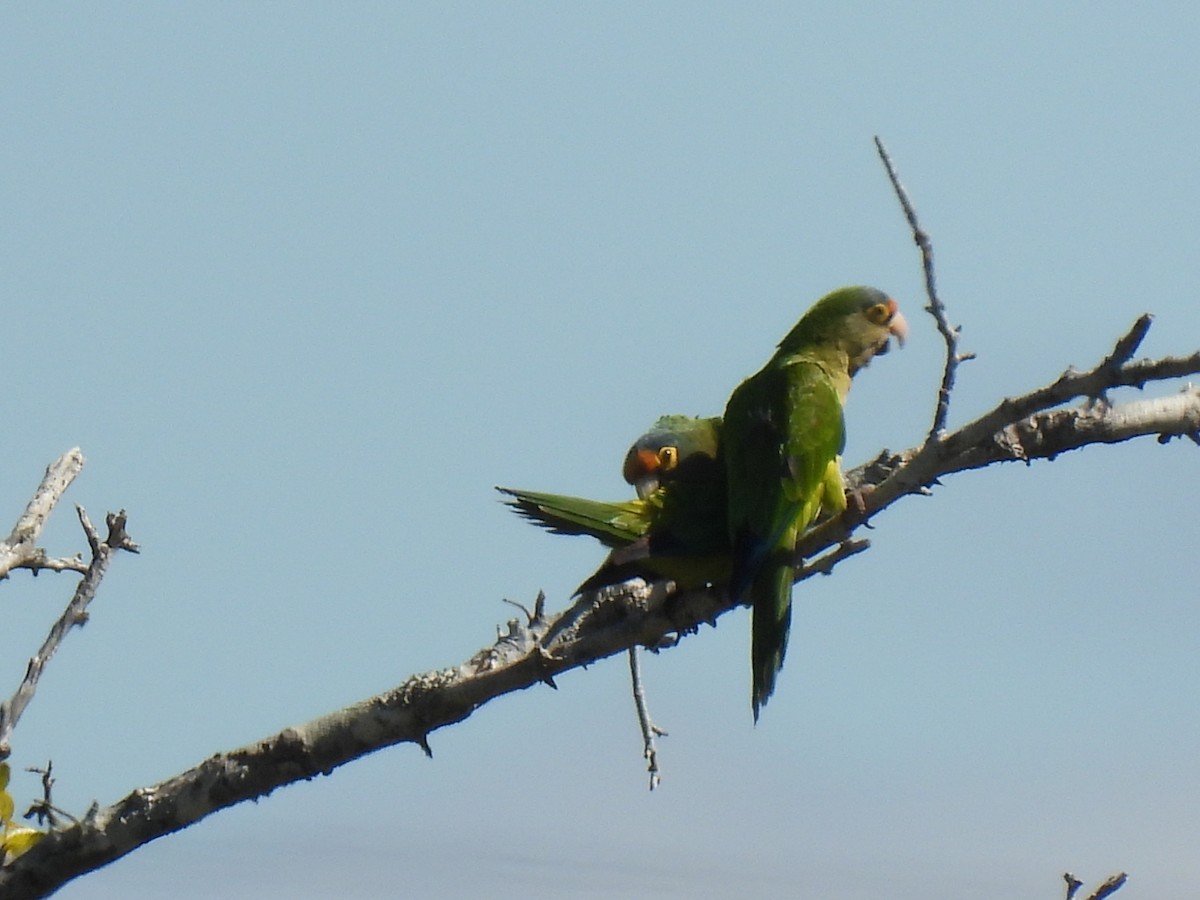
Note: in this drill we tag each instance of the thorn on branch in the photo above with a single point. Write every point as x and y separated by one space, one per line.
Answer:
541 658
423 742
667 641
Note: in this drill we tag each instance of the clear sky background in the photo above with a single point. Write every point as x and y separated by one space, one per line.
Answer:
306 281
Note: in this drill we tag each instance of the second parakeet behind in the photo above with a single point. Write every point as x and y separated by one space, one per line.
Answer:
674 529
782 440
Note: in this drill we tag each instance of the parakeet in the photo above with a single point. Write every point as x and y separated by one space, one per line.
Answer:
675 529
782 439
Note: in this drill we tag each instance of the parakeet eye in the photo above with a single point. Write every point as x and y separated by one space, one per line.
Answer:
880 313
668 458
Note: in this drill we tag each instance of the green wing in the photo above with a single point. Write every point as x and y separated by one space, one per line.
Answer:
784 428
613 524
677 530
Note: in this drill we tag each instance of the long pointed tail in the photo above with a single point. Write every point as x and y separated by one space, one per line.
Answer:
771 592
614 524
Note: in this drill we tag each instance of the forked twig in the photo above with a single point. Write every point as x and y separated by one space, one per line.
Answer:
936 308
75 614
649 730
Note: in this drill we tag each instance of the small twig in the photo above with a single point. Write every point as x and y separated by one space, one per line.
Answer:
1121 354
823 565
649 730
521 606
1073 885
1111 886
44 810
935 308
39 561
1128 345
75 614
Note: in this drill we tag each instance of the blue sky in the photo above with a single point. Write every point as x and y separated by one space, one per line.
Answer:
305 281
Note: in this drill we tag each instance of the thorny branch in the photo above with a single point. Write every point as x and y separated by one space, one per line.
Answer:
615 619
601 624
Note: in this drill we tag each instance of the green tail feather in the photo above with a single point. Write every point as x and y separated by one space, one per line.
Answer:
613 524
771 621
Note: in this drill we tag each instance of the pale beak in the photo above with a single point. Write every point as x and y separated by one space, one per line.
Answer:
898 327
645 486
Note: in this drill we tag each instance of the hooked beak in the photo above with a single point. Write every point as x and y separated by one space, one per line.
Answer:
645 486
898 327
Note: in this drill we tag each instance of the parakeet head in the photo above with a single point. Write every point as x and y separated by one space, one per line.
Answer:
857 320
675 448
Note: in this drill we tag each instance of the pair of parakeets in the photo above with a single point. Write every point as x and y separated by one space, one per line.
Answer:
724 500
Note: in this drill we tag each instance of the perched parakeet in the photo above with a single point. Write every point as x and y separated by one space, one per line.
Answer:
782 440
675 529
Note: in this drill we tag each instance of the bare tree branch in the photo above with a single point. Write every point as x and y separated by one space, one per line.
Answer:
1110 886
76 611
936 308
604 623
1026 428
650 731
19 549
599 624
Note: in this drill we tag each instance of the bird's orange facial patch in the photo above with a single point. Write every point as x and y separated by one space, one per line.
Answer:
639 464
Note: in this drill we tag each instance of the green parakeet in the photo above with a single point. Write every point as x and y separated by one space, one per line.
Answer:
782 440
675 529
